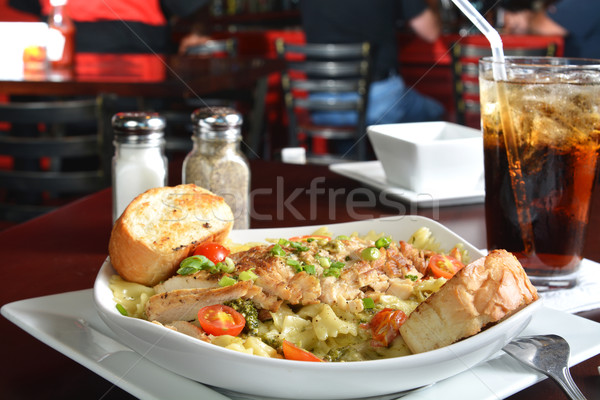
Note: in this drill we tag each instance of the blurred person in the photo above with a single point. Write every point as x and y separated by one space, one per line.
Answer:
121 26
353 21
578 21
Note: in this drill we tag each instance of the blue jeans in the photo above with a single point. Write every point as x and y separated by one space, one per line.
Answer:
390 101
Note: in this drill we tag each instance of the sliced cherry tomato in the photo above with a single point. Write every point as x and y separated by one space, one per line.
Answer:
306 237
220 320
213 251
443 266
385 326
293 352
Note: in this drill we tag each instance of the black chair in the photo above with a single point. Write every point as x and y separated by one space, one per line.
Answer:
465 67
329 69
59 150
178 113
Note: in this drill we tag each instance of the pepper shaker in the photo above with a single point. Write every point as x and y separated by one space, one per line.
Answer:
139 162
216 162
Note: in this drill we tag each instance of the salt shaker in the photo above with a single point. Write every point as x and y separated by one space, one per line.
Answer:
216 162
139 162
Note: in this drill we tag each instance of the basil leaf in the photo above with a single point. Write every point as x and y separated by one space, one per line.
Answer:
187 270
193 264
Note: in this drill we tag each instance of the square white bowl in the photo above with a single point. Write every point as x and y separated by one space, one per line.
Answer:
429 157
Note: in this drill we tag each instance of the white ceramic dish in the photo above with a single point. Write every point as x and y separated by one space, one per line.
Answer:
429 156
69 323
371 173
212 365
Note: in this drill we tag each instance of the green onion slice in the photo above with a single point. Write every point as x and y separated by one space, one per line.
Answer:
324 262
335 272
122 310
248 275
227 281
310 269
227 265
294 264
368 303
298 246
278 251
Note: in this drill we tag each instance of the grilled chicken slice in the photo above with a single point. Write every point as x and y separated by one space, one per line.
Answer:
189 329
199 280
184 304
277 281
276 278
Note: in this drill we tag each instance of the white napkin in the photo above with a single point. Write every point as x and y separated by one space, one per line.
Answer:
585 296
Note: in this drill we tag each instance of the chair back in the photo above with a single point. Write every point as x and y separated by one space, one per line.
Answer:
466 53
216 47
337 69
56 151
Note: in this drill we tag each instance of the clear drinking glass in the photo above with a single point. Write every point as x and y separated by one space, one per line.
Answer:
541 132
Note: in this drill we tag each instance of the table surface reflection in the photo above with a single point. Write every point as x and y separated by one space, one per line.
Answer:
140 75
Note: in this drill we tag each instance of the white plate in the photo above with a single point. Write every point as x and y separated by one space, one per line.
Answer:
68 323
278 378
371 173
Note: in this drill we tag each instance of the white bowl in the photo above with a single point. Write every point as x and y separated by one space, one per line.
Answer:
284 379
429 157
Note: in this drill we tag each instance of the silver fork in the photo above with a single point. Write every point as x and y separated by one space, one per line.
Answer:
548 354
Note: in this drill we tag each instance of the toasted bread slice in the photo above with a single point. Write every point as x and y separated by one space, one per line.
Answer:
161 227
482 293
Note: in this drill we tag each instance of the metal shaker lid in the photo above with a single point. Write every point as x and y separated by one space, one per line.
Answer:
138 127
217 122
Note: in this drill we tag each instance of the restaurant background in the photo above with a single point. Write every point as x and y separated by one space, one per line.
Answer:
70 244
257 25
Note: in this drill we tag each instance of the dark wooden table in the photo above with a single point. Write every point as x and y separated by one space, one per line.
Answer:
151 76
62 251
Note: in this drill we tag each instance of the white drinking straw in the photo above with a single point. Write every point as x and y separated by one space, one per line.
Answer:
490 33
510 140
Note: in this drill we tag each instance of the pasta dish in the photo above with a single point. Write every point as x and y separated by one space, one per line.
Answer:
313 298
